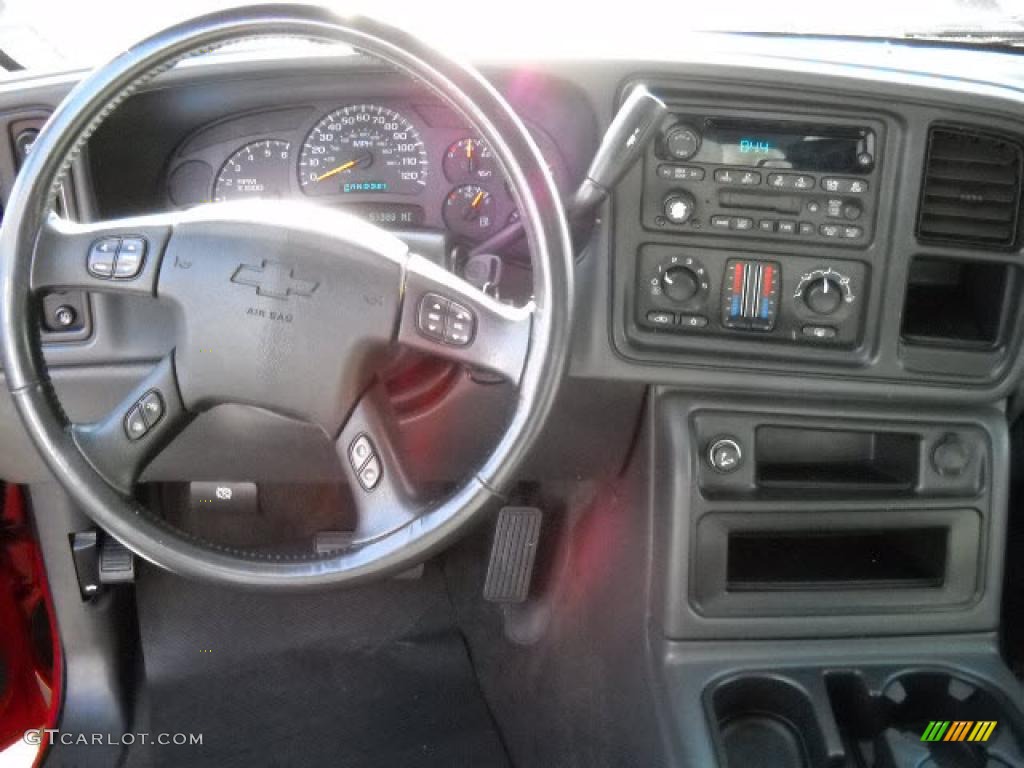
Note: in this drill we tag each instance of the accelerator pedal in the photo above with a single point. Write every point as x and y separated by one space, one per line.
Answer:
513 553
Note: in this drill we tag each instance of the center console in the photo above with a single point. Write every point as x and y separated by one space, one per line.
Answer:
826 290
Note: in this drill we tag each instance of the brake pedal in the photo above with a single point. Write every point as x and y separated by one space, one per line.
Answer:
117 562
513 552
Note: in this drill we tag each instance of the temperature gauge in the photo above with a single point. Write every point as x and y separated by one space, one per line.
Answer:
469 211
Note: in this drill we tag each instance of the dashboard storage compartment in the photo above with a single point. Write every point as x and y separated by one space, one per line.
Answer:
766 720
956 303
809 559
795 563
797 457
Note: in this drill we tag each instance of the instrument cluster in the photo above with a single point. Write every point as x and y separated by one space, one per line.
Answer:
400 165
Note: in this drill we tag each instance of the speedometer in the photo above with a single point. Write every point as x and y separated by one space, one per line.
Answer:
363 148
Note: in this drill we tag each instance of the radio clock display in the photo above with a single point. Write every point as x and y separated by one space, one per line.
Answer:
753 146
781 145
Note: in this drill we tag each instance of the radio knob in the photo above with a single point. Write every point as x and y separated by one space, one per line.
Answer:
680 283
679 207
823 296
681 142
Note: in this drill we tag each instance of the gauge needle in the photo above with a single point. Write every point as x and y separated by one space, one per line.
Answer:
472 213
469 156
341 168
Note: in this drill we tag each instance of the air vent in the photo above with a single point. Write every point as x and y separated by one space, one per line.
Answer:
971 189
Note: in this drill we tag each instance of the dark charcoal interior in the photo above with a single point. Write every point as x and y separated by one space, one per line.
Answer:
769 520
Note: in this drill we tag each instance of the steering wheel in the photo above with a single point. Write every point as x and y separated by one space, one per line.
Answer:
283 306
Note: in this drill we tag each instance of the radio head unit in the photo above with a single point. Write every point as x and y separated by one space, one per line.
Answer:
762 178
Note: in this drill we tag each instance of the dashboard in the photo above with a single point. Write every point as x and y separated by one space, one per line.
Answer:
825 253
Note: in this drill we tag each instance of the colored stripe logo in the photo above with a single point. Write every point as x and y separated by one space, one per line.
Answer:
959 730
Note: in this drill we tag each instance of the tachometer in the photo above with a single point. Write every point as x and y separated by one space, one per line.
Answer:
259 169
363 148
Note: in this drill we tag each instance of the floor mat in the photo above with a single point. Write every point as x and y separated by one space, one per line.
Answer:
375 676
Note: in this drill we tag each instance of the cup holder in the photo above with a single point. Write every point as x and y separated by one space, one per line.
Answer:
887 729
765 721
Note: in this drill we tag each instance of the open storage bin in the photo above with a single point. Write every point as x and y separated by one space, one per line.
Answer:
795 563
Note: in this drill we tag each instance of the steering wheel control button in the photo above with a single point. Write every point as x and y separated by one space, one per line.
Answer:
433 312
129 258
102 256
460 325
725 455
152 407
365 462
359 452
134 424
370 474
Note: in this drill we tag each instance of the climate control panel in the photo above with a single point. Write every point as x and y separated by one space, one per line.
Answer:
799 299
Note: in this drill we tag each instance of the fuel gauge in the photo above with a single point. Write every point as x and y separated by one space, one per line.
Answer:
469 211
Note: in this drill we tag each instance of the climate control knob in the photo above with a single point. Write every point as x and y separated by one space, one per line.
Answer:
823 296
679 207
680 283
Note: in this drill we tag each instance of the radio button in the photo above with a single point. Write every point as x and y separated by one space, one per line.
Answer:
813 206
679 207
682 142
806 228
844 186
680 172
767 225
852 233
830 230
741 223
803 182
720 222
787 227
733 176
780 180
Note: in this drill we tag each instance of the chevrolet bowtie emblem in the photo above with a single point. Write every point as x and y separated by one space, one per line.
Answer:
273 279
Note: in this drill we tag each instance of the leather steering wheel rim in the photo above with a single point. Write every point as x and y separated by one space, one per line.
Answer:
65 447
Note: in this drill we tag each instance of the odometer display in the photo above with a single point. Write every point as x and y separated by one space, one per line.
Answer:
363 148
